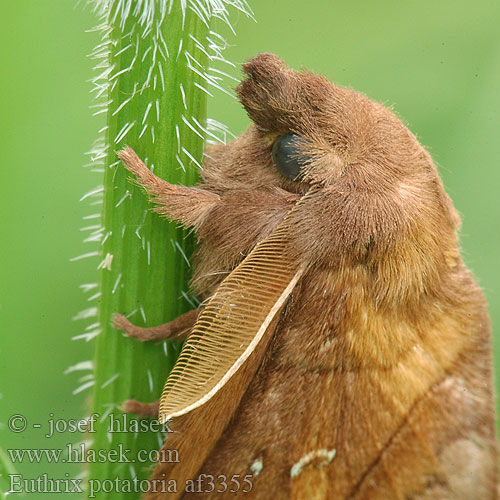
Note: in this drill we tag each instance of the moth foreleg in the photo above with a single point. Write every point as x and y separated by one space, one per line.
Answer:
187 205
177 329
142 409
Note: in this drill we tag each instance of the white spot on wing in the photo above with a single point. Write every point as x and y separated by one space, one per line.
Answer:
320 457
257 467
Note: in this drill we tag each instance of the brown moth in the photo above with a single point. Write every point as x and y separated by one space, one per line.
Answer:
343 348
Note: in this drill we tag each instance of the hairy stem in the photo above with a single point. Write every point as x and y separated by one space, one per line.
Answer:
153 81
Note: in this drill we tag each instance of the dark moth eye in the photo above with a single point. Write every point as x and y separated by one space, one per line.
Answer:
287 156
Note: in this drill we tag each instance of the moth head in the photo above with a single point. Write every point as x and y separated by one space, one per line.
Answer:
376 190
337 131
306 130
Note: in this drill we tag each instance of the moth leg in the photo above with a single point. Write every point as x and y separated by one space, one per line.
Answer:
142 409
177 329
187 205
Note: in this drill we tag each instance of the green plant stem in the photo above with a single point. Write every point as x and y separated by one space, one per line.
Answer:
151 95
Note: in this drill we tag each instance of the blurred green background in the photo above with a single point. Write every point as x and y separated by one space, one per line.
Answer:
438 63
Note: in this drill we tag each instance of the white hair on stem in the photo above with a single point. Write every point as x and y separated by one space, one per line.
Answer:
132 65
